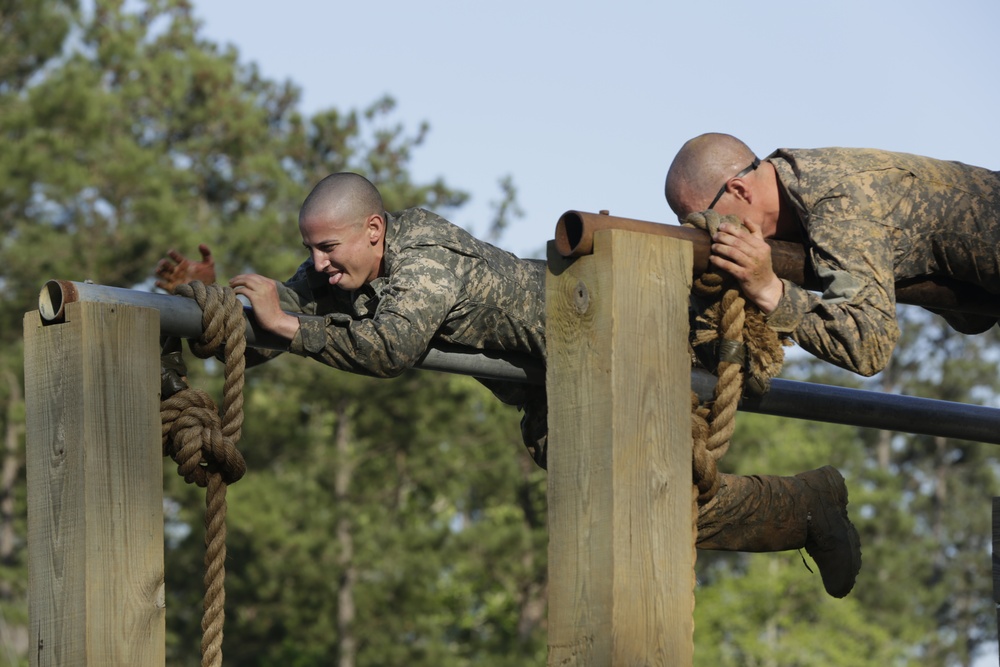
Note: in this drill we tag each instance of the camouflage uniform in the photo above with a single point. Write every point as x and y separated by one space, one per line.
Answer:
873 218
441 284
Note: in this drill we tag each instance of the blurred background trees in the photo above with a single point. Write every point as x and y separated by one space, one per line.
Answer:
400 522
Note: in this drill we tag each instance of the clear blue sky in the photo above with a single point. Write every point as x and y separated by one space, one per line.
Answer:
585 103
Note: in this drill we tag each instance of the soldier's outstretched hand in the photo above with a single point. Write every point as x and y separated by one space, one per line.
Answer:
263 296
176 269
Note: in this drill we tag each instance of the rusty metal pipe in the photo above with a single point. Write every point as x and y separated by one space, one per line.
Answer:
575 233
178 316
575 237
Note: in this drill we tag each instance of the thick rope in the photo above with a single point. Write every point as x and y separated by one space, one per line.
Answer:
204 445
749 354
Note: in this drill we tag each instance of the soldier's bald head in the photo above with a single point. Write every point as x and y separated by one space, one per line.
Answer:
344 197
701 167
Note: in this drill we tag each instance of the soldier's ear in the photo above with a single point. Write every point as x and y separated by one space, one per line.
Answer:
375 225
740 189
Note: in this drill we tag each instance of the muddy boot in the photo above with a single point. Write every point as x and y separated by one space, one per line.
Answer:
534 428
770 513
529 399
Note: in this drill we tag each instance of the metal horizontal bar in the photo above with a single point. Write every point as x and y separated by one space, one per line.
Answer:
181 317
869 409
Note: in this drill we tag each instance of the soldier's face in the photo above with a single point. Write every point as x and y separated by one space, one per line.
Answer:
348 252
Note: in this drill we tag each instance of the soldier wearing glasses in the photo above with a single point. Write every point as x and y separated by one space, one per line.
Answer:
868 219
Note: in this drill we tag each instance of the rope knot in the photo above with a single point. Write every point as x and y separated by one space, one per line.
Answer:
748 354
203 443
710 221
192 437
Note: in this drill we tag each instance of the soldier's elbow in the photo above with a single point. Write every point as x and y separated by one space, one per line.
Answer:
878 352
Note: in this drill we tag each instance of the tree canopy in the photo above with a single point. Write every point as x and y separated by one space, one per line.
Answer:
400 522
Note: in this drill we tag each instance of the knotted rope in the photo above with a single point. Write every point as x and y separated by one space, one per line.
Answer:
204 445
749 354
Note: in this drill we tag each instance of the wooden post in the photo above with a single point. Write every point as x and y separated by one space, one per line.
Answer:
621 578
95 488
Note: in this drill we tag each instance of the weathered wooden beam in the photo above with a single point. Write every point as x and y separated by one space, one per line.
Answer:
621 554
95 487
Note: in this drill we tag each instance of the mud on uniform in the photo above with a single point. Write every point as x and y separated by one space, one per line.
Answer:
873 218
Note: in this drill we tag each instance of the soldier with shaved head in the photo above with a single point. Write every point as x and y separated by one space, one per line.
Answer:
868 219
378 288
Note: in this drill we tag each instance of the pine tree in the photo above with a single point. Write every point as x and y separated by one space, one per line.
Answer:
126 134
921 504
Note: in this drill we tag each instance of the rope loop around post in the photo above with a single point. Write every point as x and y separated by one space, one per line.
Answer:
749 354
204 444
224 327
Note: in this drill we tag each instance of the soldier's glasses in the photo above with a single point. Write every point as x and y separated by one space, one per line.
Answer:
722 190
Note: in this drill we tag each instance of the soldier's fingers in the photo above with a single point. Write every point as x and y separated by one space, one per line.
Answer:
726 228
735 238
242 280
728 266
730 252
732 233
176 256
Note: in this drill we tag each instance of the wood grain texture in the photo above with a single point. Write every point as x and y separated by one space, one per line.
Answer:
619 483
95 487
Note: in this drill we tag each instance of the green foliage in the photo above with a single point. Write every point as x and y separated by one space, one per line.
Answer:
31 34
774 613
922 506
408 500
399 522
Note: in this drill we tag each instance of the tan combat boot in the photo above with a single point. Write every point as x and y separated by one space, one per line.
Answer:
768 513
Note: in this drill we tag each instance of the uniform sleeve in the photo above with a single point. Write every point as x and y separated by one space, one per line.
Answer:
418 297
853 324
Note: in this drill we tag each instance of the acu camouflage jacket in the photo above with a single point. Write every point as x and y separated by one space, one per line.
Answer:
872 218
440 284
